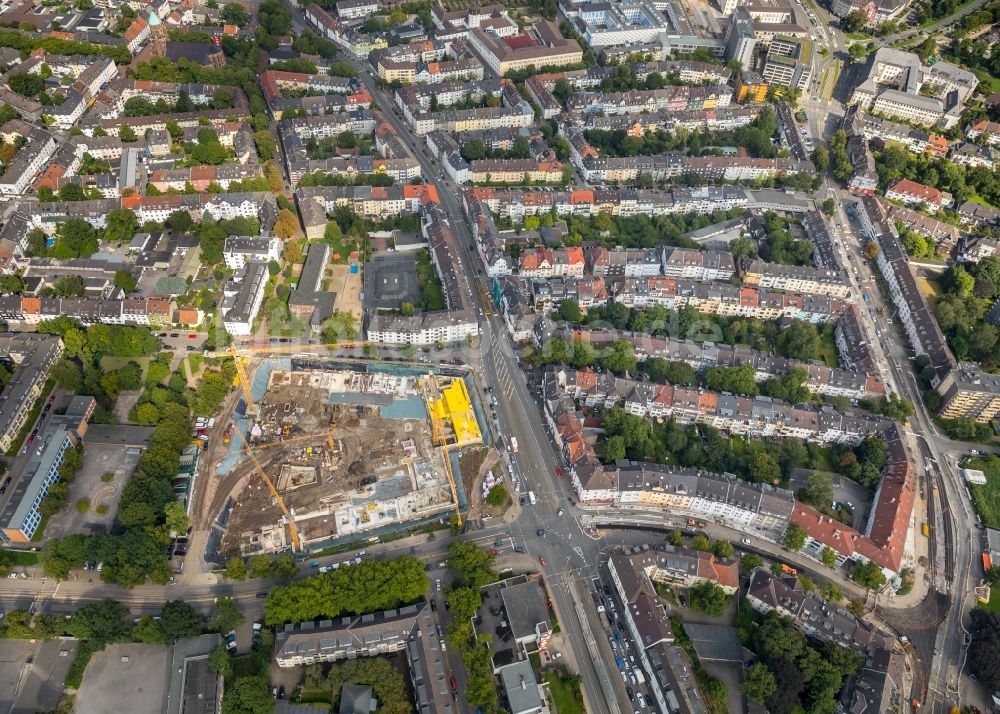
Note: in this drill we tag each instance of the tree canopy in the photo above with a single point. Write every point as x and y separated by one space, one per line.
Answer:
369 586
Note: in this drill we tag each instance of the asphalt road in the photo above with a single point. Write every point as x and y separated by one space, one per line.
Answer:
570 556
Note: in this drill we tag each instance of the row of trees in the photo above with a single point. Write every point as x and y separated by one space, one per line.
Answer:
369 586
473 568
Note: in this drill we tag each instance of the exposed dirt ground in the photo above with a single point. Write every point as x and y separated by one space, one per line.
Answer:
347 285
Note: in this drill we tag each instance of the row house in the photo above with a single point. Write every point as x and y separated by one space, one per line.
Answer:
753 417
820 379
911 193
701 265
27 162
915 314
717 119
798 278
916 140
518 171
675 98
640 262
515 204
726 300
28 312
201 177
546 263
989 129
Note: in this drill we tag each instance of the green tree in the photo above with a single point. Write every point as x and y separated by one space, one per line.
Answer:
473 565
220 662
102 622
795 537
176 518
868 575
122 224
758 683
464 602
763 468
818 489
614 449
709 598
497 496
248 695
569 310
126 133
749 561
226 615
235 14
236 569
828 557
179 620
800 340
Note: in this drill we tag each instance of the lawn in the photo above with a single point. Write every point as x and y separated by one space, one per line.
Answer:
343 246
994 604
21 557
986 498
566 694
828 349
930 288
110 364
431 294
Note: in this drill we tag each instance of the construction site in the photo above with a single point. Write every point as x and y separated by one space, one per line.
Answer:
329 454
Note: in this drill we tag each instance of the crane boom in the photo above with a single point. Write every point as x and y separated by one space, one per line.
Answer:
241 374
292 530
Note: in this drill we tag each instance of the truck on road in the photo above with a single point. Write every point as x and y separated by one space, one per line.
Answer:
513 444
531 498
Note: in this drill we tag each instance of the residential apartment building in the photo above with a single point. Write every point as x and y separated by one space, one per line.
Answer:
820 379
28 357
967 392
540 45
915 314
815 617
664 663
240 250
382 633
242 296
752 417
21 515
911 193
797 278
894 85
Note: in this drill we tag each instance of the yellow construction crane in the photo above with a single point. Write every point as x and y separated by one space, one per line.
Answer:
241 375
292 530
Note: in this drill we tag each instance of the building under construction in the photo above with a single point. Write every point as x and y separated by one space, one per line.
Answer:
348 453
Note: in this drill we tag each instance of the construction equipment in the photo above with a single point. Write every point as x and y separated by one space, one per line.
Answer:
292 440
245 384
241 375
292 530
